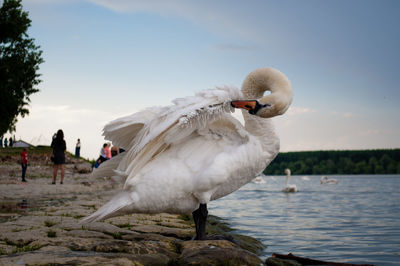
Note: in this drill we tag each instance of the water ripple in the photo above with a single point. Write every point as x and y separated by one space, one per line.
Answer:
355 221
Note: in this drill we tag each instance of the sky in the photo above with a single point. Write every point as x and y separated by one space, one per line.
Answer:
106 59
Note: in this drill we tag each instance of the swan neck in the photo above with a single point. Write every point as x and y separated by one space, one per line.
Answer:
274 81
258 82
262 129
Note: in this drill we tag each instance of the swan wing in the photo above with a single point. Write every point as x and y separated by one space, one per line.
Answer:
174 123
122 131
150 131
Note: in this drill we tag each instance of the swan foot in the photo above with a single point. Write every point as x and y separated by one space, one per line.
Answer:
200 218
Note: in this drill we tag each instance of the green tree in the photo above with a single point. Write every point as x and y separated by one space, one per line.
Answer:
19 63
362 168
384 161
373 162
392 168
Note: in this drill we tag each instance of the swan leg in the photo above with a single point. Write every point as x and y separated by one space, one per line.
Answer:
200 217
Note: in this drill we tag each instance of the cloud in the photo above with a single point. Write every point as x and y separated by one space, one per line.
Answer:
216 17
50 1
295 110
155 6
343 114
221 18
86 124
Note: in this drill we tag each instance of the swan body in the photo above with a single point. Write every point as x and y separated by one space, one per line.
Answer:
289 187
180 157
305 178
325 180
258 179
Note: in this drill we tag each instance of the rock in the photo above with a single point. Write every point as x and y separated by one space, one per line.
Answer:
134 236
83 168
106 229
88 234
281 262
84 244
138 248
184 234
54 257
215 252
22 238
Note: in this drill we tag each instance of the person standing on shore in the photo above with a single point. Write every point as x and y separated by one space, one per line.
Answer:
24 163
59 146
78 149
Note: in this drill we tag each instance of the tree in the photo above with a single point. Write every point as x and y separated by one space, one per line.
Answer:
19 63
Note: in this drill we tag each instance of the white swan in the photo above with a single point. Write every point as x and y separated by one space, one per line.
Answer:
179 158
305 178
289 187
259 179
325 180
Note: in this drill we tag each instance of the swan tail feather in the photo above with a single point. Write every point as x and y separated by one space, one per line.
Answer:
110 209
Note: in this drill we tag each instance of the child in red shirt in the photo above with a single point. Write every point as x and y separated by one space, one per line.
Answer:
24 163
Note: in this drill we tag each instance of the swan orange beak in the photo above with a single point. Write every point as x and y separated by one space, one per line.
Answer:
246 104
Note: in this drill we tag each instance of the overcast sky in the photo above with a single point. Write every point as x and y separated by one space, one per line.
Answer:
105 59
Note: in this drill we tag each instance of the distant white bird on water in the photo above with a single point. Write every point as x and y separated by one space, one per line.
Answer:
325 180
289 187
259 179
179 158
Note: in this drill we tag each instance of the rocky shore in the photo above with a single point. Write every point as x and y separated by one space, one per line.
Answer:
40 223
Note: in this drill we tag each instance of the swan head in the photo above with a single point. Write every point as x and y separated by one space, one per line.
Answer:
256 84
287 171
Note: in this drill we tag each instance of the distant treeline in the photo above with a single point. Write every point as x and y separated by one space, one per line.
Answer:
337 162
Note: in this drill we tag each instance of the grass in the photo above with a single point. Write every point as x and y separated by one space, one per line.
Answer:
186 217
72 155
27 248
49 223
15 151
22 247
117 235
125 225
90 206
51 233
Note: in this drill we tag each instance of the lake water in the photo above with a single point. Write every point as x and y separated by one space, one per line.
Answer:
354 221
